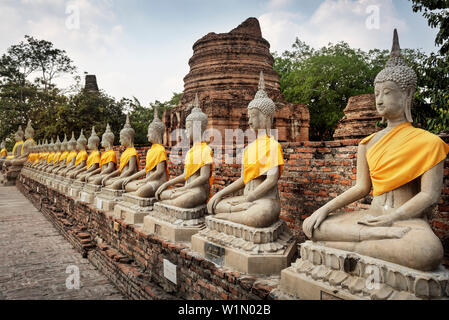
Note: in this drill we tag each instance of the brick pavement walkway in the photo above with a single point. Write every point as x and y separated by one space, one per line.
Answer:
34 257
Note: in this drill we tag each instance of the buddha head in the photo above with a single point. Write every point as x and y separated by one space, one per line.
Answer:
81 142
261 109
107 140
156 129
71 144
196 122
94 140
51 146
58 145
127 134
29 131
64 144
18 136
395 86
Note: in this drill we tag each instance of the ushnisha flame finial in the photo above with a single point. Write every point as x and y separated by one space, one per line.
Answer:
261 100
396 69
156 124
197 114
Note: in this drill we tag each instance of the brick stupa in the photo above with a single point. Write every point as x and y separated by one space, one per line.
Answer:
224 71
360 118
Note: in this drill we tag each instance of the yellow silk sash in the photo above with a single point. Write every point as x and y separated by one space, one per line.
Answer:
260 156
18 143
126 156
70 156
402 155
63 156
3 153
108 156
23 145
51 157
56 157
198 156
155 155
93 158
80 157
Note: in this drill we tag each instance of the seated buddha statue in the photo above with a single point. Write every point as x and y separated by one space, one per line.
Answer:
156 168
108 159
79 164
259 206
93 160
60 159
50 149
17 149
70 158
403 166
20 160
129 162
197 175
3 151
42 155
57 154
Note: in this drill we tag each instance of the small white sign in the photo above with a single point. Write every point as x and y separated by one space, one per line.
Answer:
83 197
37 189
99 204
170 271
71 192
55 200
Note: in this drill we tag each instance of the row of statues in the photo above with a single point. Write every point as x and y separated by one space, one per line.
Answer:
402 165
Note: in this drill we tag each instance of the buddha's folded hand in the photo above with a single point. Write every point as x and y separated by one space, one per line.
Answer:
380 221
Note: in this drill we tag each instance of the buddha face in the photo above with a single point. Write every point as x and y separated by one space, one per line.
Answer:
105 142
125 140
152 136
257 120
17 137
391 100
194 130
71 146
92 145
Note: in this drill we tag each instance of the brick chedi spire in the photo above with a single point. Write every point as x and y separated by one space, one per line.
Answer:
91 83
224 72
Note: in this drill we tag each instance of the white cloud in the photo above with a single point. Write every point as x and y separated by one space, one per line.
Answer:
334 21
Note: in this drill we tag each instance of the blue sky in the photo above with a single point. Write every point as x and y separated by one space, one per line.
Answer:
141 48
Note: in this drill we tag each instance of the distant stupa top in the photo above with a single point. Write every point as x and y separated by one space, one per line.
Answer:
261 101
396 69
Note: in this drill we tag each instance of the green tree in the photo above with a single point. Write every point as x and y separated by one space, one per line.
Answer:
325 79
436 12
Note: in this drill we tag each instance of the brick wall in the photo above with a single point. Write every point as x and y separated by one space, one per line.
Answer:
315 173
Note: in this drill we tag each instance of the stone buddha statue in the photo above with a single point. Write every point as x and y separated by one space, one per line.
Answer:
108 160
17 149
129 162
50 156
156 169
57 154
3 151
197 176
70 159
79 164
26 147
60 162
403 166
93 160
259 206
42 156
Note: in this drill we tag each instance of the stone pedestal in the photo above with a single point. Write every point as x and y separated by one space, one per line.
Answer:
173 223
10 175
132 209
75 188
107 198
89 192
258 251
324 273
